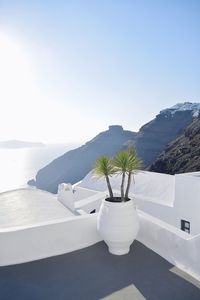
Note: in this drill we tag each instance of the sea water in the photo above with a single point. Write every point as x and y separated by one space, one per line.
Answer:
19 165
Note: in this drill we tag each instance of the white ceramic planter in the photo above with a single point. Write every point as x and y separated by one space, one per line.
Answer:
118 225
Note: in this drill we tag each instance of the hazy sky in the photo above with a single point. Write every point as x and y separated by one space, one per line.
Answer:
68 69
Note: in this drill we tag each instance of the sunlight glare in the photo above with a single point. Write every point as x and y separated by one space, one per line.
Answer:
27 113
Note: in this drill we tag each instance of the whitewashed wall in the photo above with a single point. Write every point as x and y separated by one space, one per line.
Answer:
187 201
169 198
80 198
82 193
176 246
91 203
20 245
186 205
149 186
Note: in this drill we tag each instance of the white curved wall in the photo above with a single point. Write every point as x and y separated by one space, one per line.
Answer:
23 244
176 246
20 245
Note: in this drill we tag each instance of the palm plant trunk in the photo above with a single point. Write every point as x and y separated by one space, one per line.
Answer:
109 186
128 185
122 186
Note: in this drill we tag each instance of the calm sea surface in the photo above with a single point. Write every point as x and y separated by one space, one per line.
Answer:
17 166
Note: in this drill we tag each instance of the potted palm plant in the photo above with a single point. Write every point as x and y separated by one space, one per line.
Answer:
117 221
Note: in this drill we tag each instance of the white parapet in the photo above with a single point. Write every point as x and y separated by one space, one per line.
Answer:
179 248
27 243
66 196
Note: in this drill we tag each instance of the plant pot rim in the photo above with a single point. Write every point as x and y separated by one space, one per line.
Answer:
117 200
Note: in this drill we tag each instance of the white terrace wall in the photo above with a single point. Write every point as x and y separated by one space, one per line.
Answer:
149 186
187 201
80 198
91 203
82 193
176 246
186 205
20 245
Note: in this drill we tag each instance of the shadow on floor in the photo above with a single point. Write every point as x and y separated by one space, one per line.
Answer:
92 273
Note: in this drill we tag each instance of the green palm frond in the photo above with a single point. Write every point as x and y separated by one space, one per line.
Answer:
134 162
104 167
121 161
127 161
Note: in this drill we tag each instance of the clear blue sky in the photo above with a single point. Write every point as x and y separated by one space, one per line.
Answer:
75 67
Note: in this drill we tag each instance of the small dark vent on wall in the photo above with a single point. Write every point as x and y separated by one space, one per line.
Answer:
185 226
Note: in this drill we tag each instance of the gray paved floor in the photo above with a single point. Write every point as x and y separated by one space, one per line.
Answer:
93 273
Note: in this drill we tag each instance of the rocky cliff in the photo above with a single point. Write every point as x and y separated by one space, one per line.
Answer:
153 137
75 164
183 154
150 141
